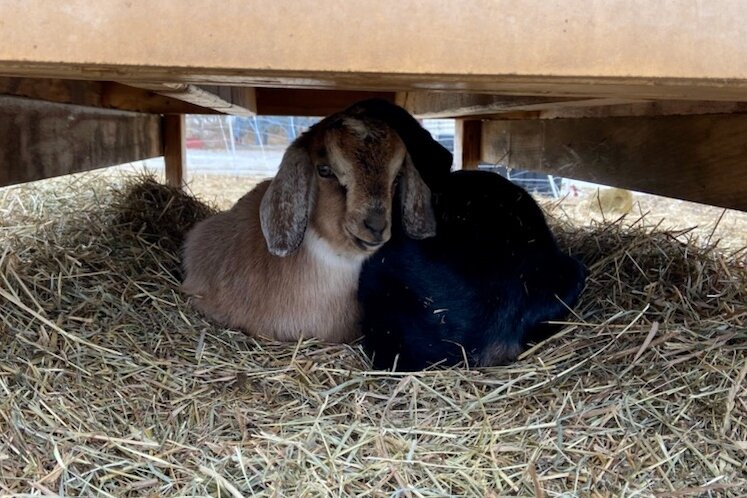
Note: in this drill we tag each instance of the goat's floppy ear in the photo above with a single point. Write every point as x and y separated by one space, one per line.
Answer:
418 219
284 211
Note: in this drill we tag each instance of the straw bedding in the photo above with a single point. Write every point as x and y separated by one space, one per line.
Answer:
111 385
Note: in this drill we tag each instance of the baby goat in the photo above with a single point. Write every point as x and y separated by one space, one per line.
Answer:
479 291
284 261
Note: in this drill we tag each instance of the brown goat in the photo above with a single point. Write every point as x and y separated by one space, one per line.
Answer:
284 261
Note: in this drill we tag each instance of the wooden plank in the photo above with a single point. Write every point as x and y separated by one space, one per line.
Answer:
125 97
635 49
485 106
174 149
305 102
632 109
243 98
41 140
460 105
467 143
105 94
226 100
697 158
658 108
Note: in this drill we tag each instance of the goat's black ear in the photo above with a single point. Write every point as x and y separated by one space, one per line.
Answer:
418 218
284 211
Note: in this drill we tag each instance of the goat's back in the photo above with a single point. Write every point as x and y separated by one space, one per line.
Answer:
478 291
218 251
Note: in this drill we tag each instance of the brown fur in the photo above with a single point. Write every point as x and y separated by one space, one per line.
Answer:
284 261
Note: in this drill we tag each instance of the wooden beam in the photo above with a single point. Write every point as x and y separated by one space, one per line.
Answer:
40 140
467 143
223 99
174 149
636 49
243 100
632 109
105 94
462 105
304 102
697 158
658 108
120 96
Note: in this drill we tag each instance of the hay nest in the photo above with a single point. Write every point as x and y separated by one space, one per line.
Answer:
111 385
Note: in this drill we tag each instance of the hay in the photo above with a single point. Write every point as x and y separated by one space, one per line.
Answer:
111 385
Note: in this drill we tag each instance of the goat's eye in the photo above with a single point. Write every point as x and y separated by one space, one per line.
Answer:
325 171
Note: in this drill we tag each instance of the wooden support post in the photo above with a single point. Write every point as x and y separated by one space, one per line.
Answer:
174 148
467 143
696 158
40 139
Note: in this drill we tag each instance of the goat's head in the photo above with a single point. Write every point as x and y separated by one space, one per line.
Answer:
341 178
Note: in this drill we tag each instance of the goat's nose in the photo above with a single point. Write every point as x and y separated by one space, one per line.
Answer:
376 223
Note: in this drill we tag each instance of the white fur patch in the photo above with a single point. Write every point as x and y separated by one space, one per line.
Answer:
323 301
326 255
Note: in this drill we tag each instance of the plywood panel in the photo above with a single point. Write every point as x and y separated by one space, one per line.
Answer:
697 158
655 48
41 140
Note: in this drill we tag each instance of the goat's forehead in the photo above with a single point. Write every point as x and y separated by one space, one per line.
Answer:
354 128
361 129
366 156
374 149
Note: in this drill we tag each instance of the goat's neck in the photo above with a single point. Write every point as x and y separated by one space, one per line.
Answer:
324 254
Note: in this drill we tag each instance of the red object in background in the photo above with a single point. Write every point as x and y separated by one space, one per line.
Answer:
195 143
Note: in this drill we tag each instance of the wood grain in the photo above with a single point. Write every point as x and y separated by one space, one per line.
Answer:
41 140
174 149
632 49
697 158
467 143
106 94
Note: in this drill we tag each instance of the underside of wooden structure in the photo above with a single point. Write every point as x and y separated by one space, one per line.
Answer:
650 95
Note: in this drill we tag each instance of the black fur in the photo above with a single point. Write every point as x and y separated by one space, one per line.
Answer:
479 290
482 288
